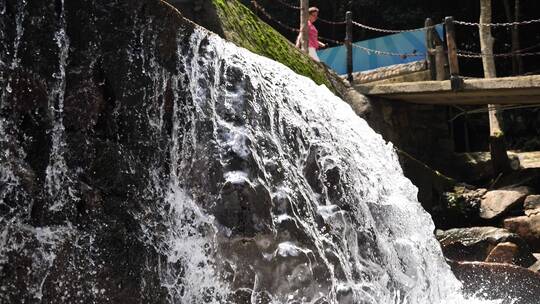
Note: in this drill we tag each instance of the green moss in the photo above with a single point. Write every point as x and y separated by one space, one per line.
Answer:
245 29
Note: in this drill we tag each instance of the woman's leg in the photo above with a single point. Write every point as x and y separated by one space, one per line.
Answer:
313 54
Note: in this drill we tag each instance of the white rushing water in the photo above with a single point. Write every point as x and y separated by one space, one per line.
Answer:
57 170
375 244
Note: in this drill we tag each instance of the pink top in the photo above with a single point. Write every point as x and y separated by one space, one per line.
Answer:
313 36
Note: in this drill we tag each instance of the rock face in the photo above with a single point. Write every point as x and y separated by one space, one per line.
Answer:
528 227
498 281
145 160
478 243
497 202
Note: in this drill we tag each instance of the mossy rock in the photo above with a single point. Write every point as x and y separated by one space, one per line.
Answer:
459 207
242 27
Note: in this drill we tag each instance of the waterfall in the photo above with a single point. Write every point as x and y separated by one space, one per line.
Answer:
207 174
358 234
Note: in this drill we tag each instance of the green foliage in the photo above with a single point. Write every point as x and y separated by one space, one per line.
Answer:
245 29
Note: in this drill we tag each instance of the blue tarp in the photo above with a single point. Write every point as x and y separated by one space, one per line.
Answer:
403 43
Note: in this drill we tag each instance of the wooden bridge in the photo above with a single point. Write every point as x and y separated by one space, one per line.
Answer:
438 80
508 90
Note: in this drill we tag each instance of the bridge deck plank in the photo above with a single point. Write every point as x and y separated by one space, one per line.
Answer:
508 90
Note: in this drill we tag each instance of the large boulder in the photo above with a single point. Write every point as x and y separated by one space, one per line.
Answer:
531 205
503 253
513 284
528 227
536 266
477 243
498 202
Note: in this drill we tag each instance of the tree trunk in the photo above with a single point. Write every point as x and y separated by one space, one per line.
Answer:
497 146
304 31
517 63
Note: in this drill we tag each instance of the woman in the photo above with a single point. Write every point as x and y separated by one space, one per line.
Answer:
314 44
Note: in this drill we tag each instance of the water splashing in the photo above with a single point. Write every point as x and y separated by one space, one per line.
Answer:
56 170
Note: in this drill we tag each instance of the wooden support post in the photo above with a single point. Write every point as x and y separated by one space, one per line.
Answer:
348 44
455 80
304 30
497 145
430 48
440 63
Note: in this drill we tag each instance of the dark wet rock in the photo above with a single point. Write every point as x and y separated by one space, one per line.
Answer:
431 185
245 209
531 205
82 238
512 284
527 227
496 203
476 244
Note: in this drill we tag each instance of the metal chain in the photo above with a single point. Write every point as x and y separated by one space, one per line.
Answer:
384 53
372 51
331 40
498 24
332 22
289 5
467 54
391 31
263 11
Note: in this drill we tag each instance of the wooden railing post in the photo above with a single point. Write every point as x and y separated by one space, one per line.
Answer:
455 81
304 31
440 63
430 58
348 44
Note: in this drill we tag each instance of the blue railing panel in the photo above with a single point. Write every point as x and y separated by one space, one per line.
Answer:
402 43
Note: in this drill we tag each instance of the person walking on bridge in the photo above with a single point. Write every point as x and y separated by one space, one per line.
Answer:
314 43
